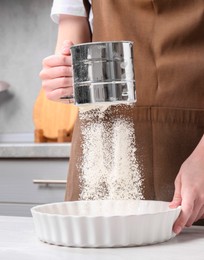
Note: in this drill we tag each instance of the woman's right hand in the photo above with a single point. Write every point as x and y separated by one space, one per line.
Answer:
56 74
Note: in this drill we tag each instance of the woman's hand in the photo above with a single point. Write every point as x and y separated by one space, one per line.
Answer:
189 189
56 74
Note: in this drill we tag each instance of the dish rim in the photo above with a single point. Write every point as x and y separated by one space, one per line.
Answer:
34 210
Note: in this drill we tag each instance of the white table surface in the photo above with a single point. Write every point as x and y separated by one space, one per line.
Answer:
18 241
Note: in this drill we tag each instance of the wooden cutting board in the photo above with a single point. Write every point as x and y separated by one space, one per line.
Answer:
50 117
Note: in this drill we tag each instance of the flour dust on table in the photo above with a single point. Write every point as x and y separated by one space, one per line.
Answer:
108 168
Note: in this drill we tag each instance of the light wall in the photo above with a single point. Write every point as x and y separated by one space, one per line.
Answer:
27 35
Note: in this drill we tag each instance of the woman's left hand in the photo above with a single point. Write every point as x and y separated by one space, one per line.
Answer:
189 189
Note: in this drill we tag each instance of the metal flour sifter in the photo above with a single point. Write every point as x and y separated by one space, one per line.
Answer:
103 73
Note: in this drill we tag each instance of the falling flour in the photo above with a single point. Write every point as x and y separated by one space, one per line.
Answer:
108 168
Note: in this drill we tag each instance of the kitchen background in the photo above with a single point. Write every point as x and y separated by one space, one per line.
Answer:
30 173
27 35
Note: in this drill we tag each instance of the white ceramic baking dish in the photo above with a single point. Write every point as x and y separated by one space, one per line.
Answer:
105 223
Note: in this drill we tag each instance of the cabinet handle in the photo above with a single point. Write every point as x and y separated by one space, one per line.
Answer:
47 182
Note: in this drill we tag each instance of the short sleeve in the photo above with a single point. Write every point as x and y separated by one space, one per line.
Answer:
71 7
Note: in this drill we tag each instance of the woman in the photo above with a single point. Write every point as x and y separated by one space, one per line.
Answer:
168 118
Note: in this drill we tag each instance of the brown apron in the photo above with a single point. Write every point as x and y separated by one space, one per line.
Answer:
168 117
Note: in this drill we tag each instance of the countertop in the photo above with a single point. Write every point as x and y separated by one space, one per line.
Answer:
34 150
18 241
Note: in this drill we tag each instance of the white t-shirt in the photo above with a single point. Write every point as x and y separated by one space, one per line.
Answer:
71 7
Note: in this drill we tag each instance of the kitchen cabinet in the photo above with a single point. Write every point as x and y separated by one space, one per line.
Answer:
30 179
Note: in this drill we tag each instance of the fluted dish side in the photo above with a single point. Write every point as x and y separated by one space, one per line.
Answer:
104 223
